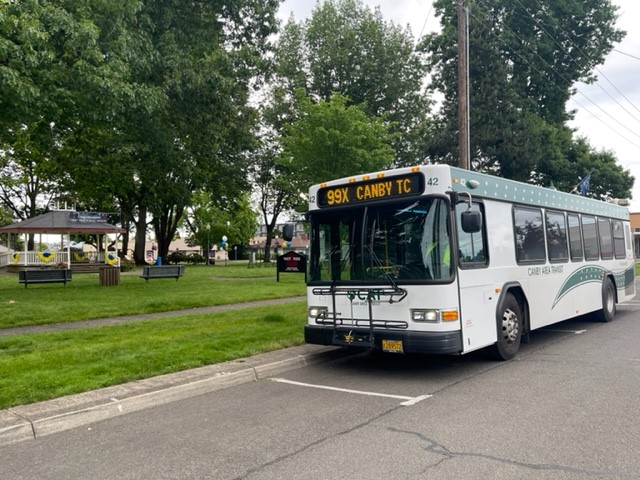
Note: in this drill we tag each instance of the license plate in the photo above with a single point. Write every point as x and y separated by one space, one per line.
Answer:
392 346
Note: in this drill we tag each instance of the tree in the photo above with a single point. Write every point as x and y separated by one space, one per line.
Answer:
154 96
332 140
54 79
209 219
5 219
608 179
275 193
346 48
523 65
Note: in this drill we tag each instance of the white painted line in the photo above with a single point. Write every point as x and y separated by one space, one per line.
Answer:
577 332
408 401
415 400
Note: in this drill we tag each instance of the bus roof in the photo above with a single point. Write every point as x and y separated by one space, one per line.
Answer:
507 190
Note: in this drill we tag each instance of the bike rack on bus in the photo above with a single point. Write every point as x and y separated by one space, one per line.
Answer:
346 337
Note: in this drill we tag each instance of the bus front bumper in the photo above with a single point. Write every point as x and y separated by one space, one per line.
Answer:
439 343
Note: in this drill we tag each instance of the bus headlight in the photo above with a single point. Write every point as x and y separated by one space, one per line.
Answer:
318 312
425 315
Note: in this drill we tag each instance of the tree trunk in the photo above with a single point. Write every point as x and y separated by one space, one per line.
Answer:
126 224
141 237
165 228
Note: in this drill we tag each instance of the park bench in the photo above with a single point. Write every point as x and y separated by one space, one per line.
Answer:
54 275
162 271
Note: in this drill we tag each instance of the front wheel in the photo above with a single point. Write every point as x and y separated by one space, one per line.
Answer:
509 326
608 302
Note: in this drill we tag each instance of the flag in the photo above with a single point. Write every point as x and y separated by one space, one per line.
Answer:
585 184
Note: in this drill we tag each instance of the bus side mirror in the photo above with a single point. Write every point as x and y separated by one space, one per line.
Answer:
471 221
287 232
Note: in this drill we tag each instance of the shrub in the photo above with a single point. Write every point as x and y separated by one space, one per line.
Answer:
195 258
126 265
176 257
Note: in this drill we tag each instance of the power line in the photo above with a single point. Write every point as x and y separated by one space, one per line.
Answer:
424 25
625 53
594 66
561 76
568 37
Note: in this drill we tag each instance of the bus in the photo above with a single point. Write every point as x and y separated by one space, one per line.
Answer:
439 260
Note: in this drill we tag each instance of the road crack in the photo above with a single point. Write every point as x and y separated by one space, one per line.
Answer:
432 446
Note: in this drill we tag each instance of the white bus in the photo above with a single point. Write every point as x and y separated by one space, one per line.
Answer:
436 259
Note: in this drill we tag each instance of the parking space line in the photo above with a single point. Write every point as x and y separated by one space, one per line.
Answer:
408 401
577 332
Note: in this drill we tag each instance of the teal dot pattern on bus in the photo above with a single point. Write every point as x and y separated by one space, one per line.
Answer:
506 190
593 273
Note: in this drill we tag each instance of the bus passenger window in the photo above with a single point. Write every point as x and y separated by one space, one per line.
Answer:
606 242
590 238
529 235
618 239
471 246
556 237
575 238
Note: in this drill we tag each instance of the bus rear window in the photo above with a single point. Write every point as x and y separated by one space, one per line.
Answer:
618 239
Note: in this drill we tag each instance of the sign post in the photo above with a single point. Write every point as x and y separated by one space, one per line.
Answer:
292 262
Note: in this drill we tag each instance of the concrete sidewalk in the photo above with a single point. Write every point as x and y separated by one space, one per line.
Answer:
29 422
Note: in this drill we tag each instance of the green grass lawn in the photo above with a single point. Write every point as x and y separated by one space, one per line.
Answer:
83 298
41 366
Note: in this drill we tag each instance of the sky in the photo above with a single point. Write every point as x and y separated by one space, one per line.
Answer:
608 112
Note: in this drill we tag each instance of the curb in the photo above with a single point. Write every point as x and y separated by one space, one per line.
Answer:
31 422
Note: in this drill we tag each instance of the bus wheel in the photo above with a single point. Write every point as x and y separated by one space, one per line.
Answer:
608 302
509 324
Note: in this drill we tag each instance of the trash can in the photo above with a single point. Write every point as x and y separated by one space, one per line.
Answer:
109 276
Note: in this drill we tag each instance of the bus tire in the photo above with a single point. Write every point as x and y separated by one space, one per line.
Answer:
608 302
509 328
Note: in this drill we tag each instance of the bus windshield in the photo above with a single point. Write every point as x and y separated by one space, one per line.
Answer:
404 242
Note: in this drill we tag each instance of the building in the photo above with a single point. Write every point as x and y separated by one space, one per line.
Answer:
634 218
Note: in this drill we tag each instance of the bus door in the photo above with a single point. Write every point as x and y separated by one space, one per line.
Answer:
476 289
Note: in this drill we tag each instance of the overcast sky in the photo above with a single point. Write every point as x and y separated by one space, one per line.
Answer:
608 111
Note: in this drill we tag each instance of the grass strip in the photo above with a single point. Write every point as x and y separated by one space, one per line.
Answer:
85 299
42 366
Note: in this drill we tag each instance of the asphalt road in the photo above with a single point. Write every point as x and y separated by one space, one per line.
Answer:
566 408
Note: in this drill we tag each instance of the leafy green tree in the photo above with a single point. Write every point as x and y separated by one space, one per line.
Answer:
155 105
332 139
608 178
345 47
523 62
273 190
210 218
54 79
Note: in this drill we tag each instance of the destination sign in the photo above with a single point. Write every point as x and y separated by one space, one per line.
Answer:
371 190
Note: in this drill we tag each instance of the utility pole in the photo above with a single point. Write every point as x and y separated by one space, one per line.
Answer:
463 87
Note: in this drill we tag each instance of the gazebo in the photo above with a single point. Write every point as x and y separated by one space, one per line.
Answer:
63 223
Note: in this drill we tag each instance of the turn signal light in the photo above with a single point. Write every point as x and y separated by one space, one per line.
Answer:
449 315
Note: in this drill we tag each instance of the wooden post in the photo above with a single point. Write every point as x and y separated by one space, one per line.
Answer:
463 88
